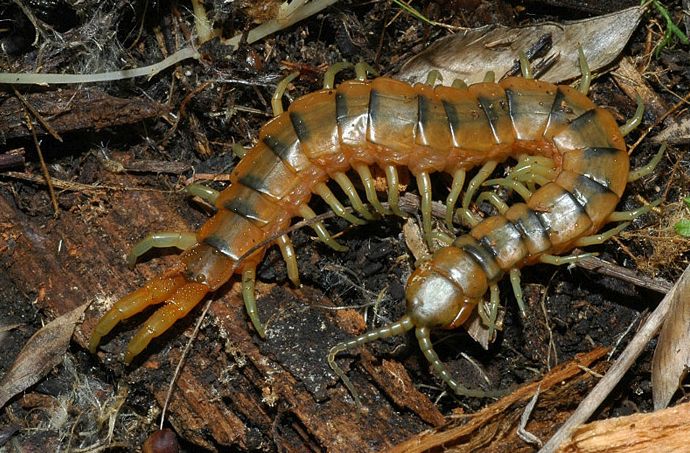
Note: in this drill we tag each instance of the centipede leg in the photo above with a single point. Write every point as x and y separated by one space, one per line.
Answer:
163 239
584 70
455 190
329 76
362 69
370 188
647 169
277 99
238 150
154 292
489 312
635 121
324 192
494 199
459 83
517 291
467 217
423 337
601 237
204 192
472 188
490 77
351 193
517 186
433 76
424 187
391 330
393 194
287 250
178 306
525 66
623 216
324 236
561 260
249 297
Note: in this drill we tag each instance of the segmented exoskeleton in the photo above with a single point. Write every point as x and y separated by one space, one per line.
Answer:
572 168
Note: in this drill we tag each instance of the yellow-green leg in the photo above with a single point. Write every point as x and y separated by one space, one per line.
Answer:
163 239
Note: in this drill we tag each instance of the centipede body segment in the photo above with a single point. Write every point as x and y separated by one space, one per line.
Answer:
572 168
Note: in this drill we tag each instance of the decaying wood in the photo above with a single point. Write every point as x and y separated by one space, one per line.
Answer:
72 109
660 431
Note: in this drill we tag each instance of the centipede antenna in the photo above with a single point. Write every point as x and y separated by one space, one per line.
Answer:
424 186
490 77
277 99
324 236
477 181
440 369
517 290
399 327
160 240
287 250
362 69
249 297
370 188
393 195
586 79
635 121
329 77
647 169
433 76
204 192
525 66
455 189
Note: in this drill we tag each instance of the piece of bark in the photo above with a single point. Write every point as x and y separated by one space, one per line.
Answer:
660 431
73 109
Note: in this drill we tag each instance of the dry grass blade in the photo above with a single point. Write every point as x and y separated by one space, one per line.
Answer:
40 354
672 355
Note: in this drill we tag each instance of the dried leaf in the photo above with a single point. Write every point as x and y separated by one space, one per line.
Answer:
468 55
40 354
672 354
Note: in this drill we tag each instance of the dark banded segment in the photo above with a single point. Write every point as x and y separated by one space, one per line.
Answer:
312 118
560 213
533 232
393 118
250 204
481 254
606 166
529 106
280 137
592 129
466 119
432 126
597 199
502 239
352 112
493 101
568 105
263 171
231 234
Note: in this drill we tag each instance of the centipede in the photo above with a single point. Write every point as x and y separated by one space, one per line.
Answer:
571 167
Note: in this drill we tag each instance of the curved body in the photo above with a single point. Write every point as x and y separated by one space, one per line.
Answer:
391 124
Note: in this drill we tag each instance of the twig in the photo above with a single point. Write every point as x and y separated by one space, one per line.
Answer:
44 167
46 125
621 273
615 373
